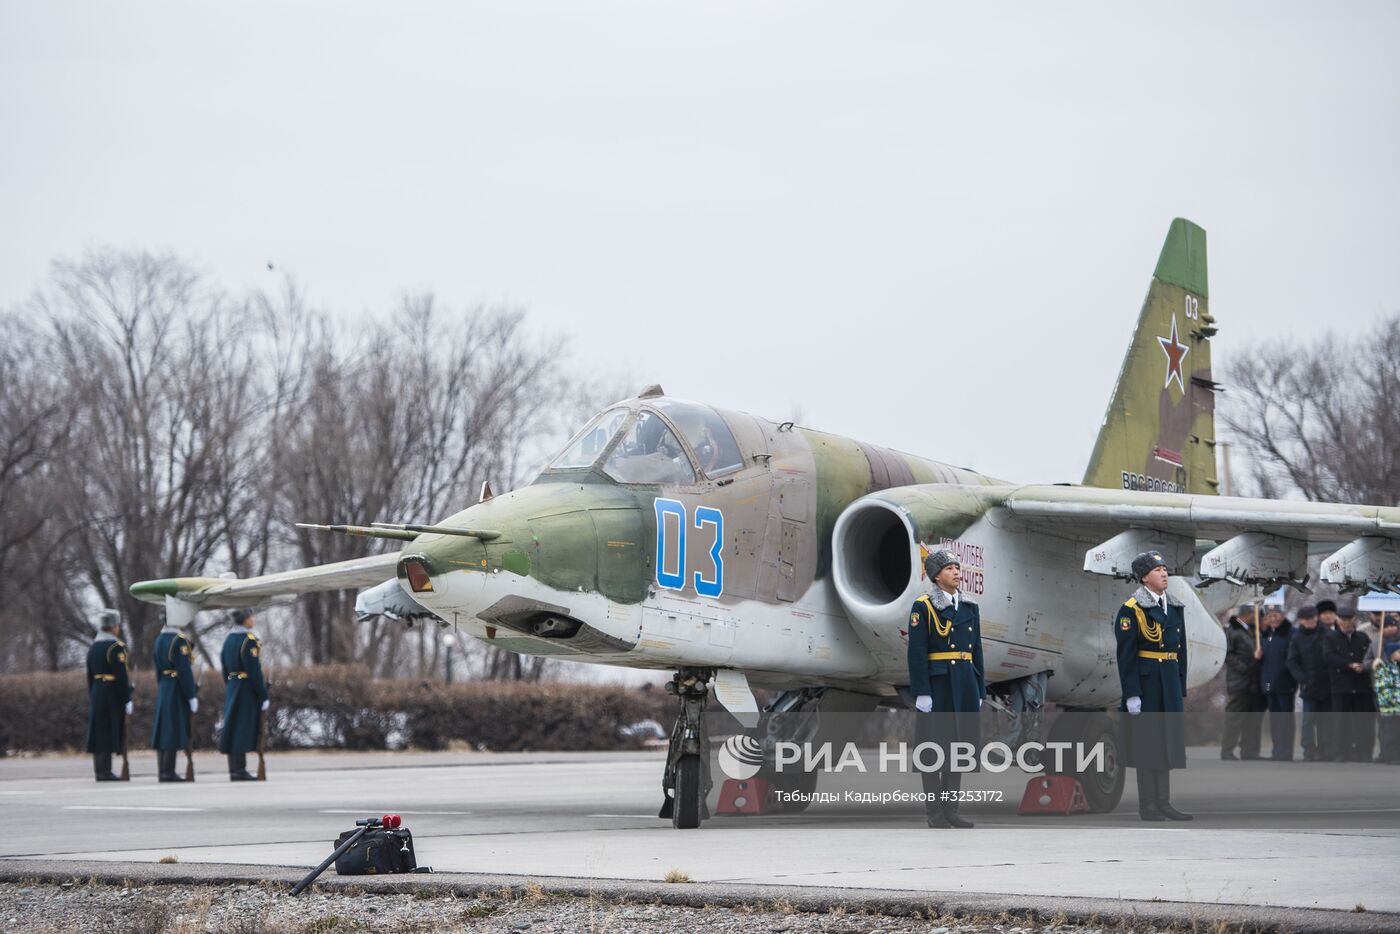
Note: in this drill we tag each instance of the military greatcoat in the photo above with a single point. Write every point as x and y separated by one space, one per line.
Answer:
244 691
109 689
175 685
1152 666
945 663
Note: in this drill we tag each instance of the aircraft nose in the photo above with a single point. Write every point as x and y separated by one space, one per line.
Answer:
443 585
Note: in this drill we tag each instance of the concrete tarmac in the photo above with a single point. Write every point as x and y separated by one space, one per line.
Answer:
1295 835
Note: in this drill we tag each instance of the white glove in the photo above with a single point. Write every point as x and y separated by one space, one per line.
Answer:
129 708
1135 705
979 703
923 703
194 705
264 705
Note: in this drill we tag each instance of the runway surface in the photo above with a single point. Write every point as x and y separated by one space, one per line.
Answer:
1285 834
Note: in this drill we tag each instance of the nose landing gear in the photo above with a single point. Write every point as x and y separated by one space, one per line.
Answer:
686 782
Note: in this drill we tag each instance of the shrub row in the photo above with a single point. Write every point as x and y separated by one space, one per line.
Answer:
343 707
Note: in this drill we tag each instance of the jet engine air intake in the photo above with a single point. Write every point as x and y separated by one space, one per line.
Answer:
873 559
875 544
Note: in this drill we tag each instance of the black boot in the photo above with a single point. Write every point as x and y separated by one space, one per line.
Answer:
1164 791
1147 796
102 766
238 767
166 761
933 807
952 783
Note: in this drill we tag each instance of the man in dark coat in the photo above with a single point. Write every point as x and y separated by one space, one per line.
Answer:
109 695
1351 691
1307 663
1277 683
1244 703
175 699
245 694
947 677
1150 629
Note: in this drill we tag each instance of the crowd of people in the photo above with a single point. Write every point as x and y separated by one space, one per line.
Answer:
1342 674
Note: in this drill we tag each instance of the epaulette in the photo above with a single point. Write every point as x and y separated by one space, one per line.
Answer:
1132 601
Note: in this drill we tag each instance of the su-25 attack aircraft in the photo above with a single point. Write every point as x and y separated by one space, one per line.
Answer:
727 548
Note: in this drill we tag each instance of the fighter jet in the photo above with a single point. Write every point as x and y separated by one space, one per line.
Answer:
737 551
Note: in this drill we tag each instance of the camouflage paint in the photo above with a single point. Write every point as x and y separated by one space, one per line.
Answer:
1159 431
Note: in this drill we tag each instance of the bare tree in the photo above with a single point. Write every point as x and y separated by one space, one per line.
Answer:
151 427
404 425
162 395
1321 420
34 433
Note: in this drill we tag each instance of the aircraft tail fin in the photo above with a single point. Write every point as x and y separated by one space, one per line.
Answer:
1159 431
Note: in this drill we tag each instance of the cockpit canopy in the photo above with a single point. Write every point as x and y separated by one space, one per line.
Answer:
641 444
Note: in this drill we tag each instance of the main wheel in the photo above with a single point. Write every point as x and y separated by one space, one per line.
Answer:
1102 789
689 793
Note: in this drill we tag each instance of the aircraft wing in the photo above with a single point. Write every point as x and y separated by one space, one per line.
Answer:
1259 540
228 593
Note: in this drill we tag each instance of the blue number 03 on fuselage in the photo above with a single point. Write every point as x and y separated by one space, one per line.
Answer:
671 512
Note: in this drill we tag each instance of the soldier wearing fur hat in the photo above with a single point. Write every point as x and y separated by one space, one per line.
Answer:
176 699
1151 632
109 695
245 694
946 675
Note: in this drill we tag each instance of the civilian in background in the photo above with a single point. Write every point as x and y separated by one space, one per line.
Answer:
1351 691
1277 683
1307 663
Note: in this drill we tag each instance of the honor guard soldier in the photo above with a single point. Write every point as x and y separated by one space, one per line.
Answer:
245 694
175 699
109 695
1151 633
946 677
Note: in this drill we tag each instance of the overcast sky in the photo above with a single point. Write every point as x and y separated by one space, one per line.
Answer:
929 226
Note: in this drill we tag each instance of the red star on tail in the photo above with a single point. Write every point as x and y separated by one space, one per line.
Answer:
1176 352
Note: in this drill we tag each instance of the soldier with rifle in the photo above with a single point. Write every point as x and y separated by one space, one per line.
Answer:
109 697
245 695
176 702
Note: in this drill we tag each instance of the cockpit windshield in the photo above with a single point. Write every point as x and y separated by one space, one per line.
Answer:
649 453
706 433
590 442
646 449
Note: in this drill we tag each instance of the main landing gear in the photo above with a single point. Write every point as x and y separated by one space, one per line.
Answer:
686 782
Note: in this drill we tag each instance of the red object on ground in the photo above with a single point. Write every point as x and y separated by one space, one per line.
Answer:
1053 794
747 796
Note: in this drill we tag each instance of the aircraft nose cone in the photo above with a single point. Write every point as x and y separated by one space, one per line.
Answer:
445 592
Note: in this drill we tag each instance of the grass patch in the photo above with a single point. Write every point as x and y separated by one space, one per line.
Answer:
678 876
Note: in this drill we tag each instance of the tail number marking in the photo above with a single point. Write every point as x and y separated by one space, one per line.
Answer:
672 513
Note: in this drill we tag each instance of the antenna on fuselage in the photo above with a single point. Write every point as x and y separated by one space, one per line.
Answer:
651 392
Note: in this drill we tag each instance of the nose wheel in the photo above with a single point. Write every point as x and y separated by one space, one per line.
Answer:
686 782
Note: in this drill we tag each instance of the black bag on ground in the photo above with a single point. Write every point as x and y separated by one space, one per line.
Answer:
379 852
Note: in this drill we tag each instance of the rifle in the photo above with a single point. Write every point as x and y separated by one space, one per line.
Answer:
262 746
126 767
189 750
366 825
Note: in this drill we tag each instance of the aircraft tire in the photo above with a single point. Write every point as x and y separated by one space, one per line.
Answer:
689 793
1102 790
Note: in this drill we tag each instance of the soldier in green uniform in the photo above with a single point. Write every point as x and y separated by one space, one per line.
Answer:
1151 632
109 695
946 675
245 694
175 699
